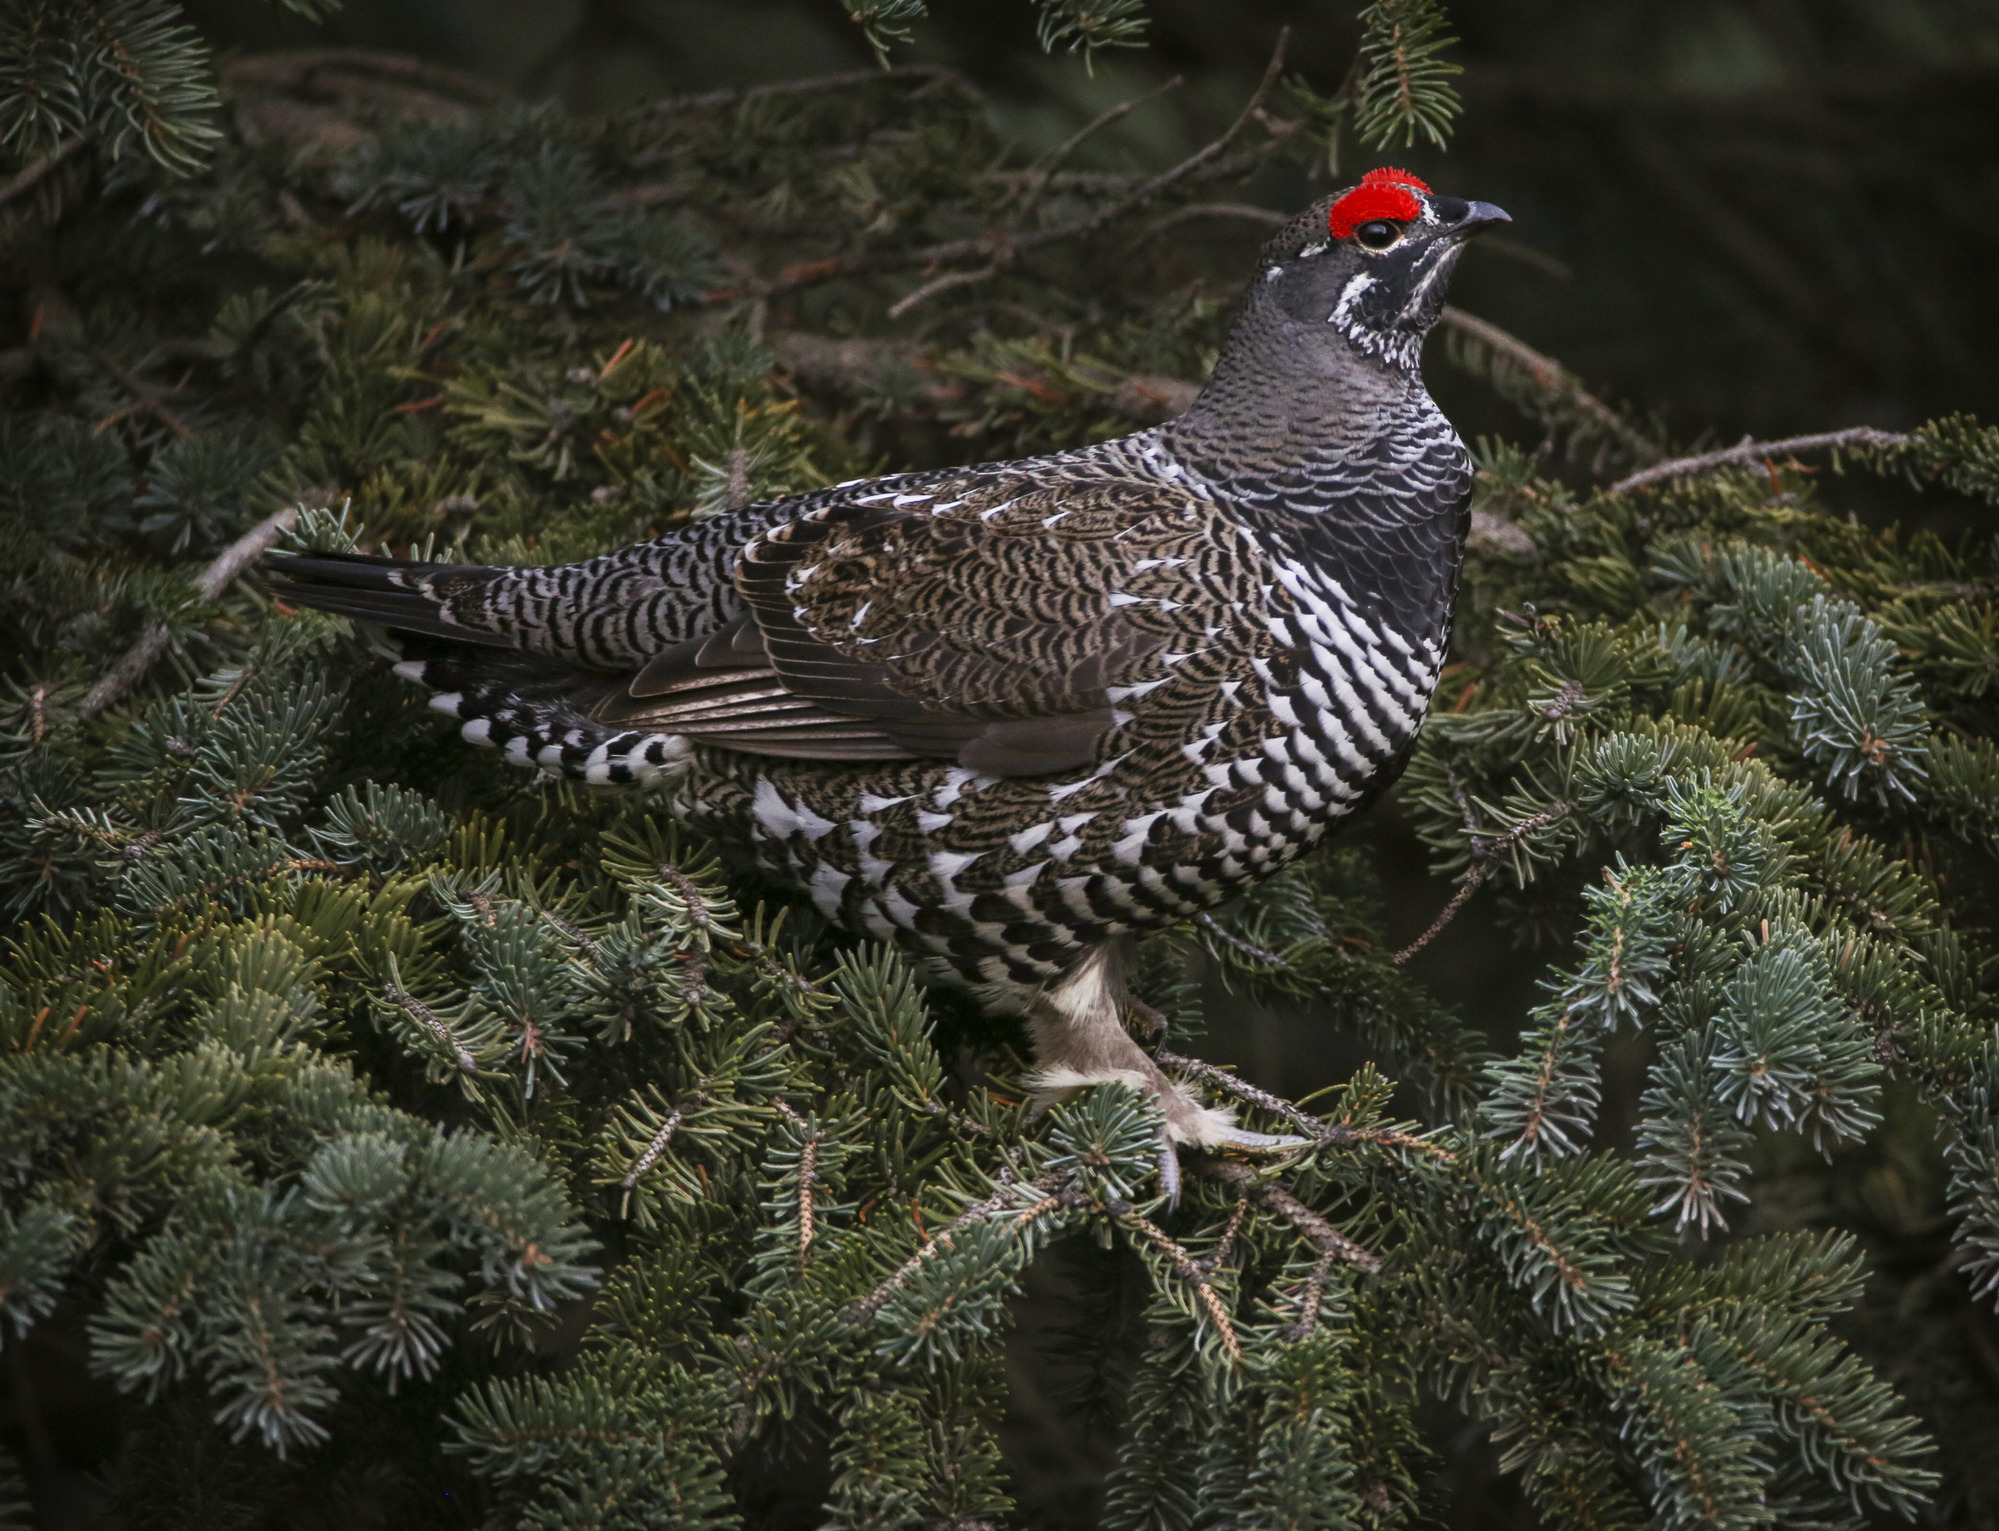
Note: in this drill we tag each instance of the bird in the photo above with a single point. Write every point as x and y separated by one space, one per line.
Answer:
1009 716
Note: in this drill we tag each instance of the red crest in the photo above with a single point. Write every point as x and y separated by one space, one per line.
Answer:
1382 193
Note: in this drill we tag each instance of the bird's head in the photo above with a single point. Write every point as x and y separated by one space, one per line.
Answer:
1373 262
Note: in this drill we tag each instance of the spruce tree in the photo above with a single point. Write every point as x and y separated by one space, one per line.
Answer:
404 1140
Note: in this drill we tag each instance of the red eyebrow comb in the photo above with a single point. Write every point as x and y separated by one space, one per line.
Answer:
1382 193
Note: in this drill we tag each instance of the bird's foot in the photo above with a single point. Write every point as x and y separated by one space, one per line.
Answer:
1080 1038
1187 1121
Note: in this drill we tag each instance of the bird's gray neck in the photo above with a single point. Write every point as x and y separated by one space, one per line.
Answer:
1289 396
1334 459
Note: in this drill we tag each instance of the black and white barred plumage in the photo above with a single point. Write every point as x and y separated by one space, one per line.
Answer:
1003 715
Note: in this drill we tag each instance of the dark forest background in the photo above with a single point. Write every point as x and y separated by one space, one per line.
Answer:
1760 218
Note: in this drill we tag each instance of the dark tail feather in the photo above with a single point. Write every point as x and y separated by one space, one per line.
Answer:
535 708
408 597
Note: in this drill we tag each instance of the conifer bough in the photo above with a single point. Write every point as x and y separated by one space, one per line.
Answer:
337 1063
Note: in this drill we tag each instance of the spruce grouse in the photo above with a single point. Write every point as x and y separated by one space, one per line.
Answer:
1003 715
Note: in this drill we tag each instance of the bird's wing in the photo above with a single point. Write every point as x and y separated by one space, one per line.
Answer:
1000 621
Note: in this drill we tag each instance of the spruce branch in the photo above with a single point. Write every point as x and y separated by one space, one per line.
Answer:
1195 1277
1404 86
1485 856
1320 1233
1542 385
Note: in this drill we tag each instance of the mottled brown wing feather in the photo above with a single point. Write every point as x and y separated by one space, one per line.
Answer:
985 624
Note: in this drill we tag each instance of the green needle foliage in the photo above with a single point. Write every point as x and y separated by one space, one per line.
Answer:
404 1140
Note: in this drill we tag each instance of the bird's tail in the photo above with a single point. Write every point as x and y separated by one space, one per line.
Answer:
481 663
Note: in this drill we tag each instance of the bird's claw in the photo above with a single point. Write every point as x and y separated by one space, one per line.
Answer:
1237 1137
1216 1136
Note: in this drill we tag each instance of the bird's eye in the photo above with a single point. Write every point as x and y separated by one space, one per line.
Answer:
1378 234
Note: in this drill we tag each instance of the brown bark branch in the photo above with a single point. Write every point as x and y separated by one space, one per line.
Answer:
1748 451
1068 146
1550 376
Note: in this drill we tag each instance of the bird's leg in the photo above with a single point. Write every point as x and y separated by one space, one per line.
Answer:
1150 1023
1080 1039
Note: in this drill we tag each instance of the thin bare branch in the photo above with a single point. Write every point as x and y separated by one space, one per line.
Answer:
978 1212
433 1023
943 283
998 248
1551 377
1314 1127
32 175
144 397
1147 190
1249 949
932 75
208 584
1245 212
1068 146
1747 451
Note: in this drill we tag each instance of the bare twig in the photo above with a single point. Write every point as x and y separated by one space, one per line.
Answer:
32 175
1243 1090
1212 1261
1147 190
1308 1304
928 74
1485 856
808 1171
1245 212
208 584
978 1212
1479 871
433 1023
1314 1127
1551 377
997 249
655 1148
1068 146
943 283
1748 451
144 396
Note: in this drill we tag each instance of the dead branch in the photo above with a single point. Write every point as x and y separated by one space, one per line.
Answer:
1244 212
943 283
208 584
997 249
931 75
1551 377
1747 451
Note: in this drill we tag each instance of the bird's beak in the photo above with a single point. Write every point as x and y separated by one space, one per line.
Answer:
1480 217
